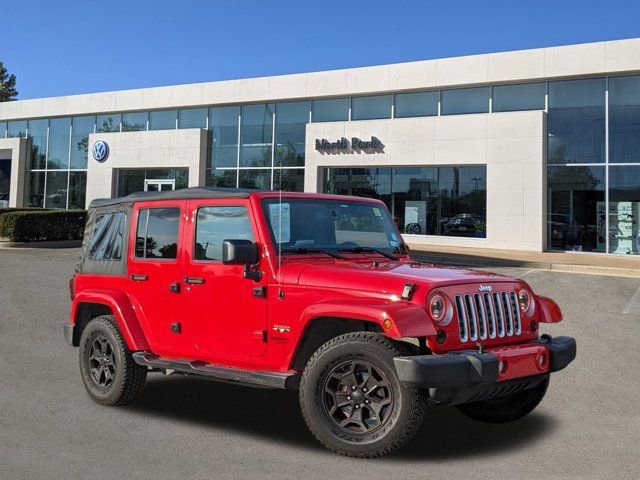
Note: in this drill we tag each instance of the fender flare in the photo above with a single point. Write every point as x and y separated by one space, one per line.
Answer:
407 319
550 311
123 311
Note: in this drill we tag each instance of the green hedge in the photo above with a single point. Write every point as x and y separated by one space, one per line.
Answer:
21 209
42 225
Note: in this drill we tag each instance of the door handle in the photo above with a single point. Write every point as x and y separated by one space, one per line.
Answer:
194 280
138 278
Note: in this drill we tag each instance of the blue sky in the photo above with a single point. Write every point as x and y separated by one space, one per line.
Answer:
66 47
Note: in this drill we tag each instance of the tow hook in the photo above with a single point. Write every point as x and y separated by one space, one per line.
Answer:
480 347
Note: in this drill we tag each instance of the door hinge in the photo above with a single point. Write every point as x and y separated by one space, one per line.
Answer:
175 327
260 335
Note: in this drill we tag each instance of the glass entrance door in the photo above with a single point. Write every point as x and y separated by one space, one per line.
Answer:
5 181
163 185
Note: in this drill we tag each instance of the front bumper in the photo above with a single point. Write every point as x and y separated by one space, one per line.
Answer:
470 368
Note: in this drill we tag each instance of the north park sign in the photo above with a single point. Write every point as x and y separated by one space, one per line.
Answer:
345 145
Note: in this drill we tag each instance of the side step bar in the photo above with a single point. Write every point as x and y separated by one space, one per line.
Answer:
224 374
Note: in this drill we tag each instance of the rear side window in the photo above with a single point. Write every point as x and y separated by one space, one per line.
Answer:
108 237
216 224
157 233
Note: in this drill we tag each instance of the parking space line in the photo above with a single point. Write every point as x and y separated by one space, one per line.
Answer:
634 303
526 273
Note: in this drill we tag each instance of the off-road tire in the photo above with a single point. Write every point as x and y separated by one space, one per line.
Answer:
508 408
129 378
407 406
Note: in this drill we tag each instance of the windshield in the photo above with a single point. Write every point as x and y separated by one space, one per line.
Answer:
301 225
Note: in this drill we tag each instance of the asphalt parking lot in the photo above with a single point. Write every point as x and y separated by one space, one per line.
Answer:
588 426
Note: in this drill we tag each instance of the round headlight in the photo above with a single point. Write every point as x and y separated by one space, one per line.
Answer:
524 299
437 307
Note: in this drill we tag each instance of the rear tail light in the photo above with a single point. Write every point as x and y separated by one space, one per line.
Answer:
72 282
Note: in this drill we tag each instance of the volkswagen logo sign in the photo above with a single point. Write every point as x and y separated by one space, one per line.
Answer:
100 151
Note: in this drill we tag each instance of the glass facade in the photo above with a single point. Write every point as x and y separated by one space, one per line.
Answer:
17 129
108 123
593 192
466 100
256 135
135 122
59 129
593 155
163 120
291 121
576 121
445 201
57 161
37 135
523 96
367 108
81 128
420 104
330 110
624 209
192 118
624 119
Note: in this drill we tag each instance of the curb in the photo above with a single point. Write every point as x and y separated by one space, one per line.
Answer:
591 270
465 261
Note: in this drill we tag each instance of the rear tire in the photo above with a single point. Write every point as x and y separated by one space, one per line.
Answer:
352 400
506 409
108 371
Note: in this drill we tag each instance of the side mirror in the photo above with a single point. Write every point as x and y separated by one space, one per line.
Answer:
239 251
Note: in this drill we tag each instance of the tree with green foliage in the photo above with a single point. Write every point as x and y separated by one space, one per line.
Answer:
8 90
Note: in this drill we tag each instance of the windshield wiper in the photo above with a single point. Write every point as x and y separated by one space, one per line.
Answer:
312 250
368 250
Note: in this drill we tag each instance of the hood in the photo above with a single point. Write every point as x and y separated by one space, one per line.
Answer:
383 276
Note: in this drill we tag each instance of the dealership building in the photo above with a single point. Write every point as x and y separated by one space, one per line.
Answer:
525 150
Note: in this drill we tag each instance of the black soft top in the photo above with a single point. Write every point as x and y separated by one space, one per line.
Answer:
123 206
181 194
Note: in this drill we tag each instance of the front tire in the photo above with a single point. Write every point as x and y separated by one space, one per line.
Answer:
109 373
506 409
352 400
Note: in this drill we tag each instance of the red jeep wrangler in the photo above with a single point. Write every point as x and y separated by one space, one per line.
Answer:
308 292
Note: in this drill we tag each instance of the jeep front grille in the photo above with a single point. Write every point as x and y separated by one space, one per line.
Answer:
487 315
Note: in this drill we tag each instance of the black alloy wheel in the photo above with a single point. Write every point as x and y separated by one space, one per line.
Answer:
358 397
108 371
102 362
352 399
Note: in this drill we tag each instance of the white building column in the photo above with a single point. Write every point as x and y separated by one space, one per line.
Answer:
146 150
15 149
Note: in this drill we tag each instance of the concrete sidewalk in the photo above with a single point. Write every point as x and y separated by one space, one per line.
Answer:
594 263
